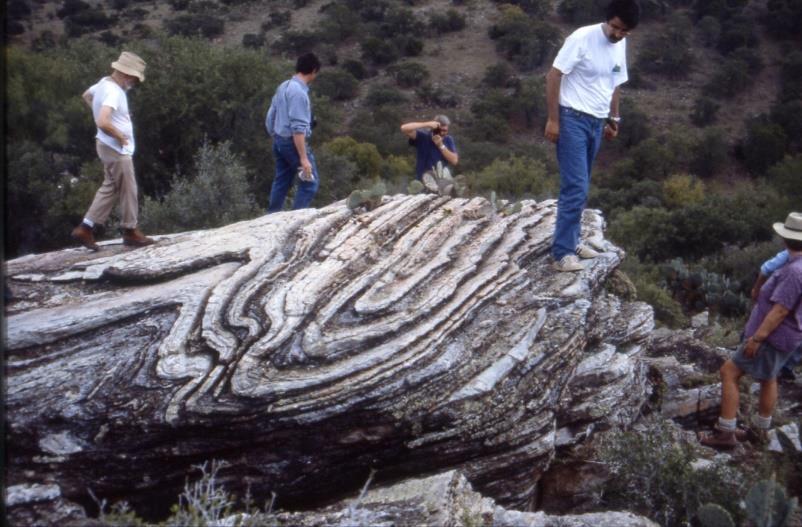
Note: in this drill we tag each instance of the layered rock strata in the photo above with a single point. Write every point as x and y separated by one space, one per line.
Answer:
307 348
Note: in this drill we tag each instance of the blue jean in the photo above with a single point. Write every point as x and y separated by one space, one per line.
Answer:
287 163
577 146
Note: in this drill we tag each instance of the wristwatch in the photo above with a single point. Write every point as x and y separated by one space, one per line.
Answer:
442 147
615 119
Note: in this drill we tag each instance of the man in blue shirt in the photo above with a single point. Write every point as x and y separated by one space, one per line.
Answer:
289 122
433 146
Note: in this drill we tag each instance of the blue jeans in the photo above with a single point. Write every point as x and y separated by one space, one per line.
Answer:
287 163
577 146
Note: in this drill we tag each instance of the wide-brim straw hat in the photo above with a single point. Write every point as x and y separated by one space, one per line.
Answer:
792 228
130 64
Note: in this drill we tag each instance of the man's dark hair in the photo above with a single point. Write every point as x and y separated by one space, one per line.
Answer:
307 63
794 245
628 11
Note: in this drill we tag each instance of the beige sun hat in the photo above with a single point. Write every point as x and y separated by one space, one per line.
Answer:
130 64
792 228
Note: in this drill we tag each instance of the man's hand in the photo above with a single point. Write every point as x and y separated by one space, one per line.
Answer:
750 350
123 139
437 140
306 175
611 130
552 131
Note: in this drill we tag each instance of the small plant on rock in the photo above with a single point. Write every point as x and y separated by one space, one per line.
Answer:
441 182
369 199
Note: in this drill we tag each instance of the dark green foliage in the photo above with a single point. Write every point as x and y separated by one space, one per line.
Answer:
195 25
355 68
447 22
14 27
336 177
296 42
704 111
339 23
712 515
697 289
408 74
791 77
337 84
653 475
786 177
382 95
710 154
277 19
499 75
436 96
215 195
735 74
178 5
16 9
784 18
86 21
767 504
581 11
410 46
380 126
514 178
668 53
614 200
378 51
253 40
719 9
525 41
532 7
738 32
709 29
72 7
764 145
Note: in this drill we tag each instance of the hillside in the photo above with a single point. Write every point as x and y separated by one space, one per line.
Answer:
708 155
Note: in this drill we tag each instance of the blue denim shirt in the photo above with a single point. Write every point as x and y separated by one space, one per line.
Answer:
290 110
771 265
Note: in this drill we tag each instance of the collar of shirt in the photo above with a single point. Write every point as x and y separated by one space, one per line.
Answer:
300 83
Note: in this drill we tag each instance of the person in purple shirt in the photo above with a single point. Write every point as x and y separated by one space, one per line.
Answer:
768 267
433 146
773 331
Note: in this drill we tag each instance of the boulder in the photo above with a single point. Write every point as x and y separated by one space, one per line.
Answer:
308 348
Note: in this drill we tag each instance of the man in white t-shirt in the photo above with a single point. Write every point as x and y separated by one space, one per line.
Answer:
582 97
115 146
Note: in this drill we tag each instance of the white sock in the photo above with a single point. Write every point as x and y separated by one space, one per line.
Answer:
728 425
764 423
89 223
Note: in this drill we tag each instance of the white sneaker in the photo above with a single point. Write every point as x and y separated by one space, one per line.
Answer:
586 251
568 263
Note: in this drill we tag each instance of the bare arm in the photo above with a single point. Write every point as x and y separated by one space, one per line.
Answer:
450 156
773 319
300 145
409 129
103 122
87 97
761 279
614 103
553 81
611 128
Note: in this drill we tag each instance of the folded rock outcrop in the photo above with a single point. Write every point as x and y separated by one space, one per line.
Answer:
307 348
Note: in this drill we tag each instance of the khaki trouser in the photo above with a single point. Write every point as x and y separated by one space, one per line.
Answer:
118 181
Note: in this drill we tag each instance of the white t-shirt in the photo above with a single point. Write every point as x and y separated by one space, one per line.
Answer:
108 93
592 68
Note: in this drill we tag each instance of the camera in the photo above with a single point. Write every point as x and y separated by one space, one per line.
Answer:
437 131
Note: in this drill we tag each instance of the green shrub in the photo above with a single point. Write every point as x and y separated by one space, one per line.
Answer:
379 51
581 11
652 474
738 32
709 155
783 18
532 7
277 19
338 177
709 30
668 53
704 111
71 7
499 75
195 25
525 41
86 21
355 68
764 145
680 190
735 74
382 95
791 77
253 40
447 22
339 23
718 9
436 96
365 156
408 74
785 177
294 41
337 84
514 178
219 185
380 126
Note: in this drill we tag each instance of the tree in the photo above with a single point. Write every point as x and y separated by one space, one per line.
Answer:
514 177
764 145
337 84
217 194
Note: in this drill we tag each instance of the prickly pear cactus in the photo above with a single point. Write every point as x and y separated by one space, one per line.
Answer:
767 505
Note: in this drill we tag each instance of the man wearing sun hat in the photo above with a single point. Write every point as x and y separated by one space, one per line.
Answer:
773 332
115 148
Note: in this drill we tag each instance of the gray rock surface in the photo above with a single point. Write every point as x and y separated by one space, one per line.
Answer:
307 348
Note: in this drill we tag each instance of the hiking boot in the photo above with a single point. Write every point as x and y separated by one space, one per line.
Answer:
135 238
586 251
752 434
567 263
719 438
83 235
